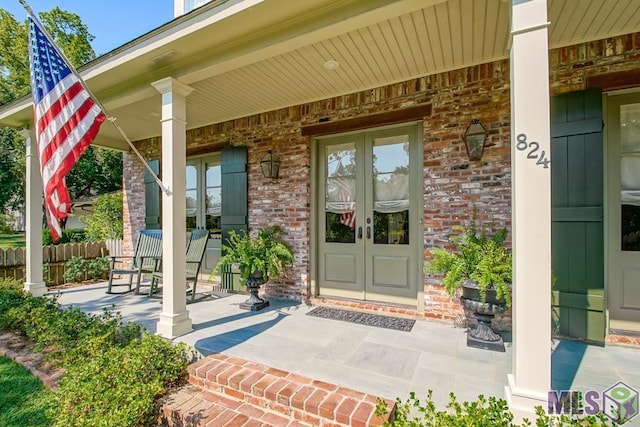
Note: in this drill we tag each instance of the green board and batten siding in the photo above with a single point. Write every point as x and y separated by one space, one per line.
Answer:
577 215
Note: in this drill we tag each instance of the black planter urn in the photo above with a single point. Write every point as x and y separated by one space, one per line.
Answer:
483 336
254 302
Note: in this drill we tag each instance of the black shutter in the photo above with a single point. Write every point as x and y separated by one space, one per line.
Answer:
152 197
233 169
577 215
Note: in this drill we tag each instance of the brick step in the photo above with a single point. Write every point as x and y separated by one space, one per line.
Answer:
234 388
193 406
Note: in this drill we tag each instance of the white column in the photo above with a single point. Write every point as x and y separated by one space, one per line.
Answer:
174 319
530 380
34 282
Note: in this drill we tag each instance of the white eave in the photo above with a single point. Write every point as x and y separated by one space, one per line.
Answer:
244 57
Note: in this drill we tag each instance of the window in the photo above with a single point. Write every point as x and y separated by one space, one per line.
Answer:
204 193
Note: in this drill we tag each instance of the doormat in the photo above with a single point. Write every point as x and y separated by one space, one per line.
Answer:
368 319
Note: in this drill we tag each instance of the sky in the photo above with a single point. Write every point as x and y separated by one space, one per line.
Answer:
112 22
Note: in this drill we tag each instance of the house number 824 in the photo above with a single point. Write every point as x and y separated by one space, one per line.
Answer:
533 147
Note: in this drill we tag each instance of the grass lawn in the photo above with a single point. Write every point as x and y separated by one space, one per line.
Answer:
22 397
12 240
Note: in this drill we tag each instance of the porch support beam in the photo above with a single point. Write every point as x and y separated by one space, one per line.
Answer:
174 319
530 380
34 281
403 115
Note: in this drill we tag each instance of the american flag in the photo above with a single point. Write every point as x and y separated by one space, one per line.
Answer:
66 121
346 218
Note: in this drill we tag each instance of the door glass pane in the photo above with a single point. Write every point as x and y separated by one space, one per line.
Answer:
630 176
213 208
192 197
340 194
391 190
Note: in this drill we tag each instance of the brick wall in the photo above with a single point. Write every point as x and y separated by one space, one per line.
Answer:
571 66
452 184
133 211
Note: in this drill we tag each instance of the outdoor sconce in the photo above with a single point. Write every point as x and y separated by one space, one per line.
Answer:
474 138
270 165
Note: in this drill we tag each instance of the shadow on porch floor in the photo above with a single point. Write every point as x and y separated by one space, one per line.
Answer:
382 362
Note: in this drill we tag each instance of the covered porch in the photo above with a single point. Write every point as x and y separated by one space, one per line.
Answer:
281 75
382 362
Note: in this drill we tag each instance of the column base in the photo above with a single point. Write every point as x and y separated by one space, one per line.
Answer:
37 289
522 402
173 325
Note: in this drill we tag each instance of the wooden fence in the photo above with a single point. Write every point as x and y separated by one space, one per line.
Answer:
13 260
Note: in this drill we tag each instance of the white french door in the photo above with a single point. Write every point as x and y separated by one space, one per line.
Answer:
204 204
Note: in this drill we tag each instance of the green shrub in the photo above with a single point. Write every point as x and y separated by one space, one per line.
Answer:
483 412
98 268
46 274
106 221
78 269
69 235
113 371
75 269
4 228
11 295
118 387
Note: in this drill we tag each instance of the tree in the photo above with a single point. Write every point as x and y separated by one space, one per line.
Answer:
12 170
106 220
67 30
98 170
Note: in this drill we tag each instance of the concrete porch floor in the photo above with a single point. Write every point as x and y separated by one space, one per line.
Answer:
378 361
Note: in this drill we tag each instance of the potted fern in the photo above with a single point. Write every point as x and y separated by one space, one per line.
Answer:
481 266
481 259
258 258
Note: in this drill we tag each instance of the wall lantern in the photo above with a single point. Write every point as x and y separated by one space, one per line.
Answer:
270 165
474 138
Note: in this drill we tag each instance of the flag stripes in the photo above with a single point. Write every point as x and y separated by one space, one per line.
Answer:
67 121
345 196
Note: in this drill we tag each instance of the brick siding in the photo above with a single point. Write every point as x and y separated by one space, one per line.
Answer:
133 211
452 184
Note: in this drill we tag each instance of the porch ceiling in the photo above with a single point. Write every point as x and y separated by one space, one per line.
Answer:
269 54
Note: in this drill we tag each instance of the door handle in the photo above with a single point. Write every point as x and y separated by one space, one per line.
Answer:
368 232
360 232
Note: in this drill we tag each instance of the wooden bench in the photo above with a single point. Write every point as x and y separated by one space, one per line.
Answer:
148 247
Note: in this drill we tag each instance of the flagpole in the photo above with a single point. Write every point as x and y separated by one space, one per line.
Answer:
110 118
